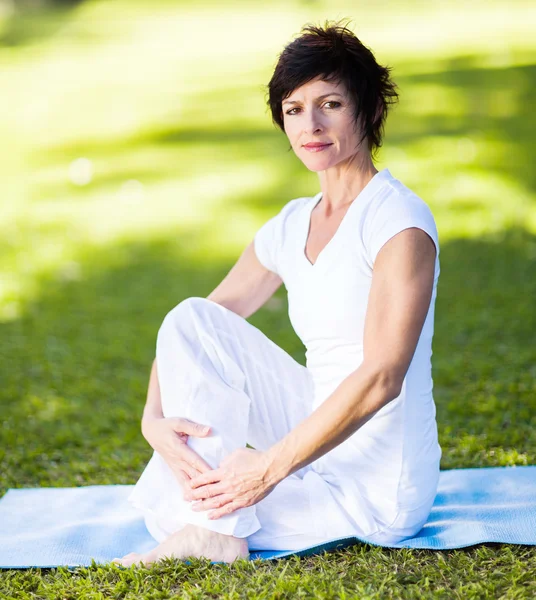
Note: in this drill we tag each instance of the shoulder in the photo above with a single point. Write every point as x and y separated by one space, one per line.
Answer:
294 207
291 213
397 200
287 216
396 208
270 238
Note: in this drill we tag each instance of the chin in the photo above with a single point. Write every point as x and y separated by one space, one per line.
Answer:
317 166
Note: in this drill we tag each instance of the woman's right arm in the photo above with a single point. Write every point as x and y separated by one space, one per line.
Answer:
153 406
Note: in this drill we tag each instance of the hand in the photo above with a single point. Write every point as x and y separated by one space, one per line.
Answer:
239 481
168 436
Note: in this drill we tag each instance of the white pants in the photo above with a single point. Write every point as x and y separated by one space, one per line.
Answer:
216 368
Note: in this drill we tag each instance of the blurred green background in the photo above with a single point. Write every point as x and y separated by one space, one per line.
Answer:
138 159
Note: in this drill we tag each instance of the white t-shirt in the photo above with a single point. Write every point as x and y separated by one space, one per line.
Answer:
399 446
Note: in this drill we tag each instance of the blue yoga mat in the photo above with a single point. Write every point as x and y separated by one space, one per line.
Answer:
49 527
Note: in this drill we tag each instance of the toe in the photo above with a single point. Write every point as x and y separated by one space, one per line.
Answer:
133 559
118 561
138 559
146 559
130 559
121 561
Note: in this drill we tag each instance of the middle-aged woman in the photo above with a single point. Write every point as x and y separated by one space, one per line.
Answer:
346 445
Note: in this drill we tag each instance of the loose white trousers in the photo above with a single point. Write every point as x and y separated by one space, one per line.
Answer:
217 369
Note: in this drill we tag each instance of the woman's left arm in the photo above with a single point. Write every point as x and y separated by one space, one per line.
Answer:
399 299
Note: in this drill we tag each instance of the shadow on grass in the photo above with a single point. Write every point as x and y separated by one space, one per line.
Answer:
77 361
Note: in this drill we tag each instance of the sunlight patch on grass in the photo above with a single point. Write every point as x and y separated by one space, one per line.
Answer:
466 198
170 205
441 30
46 408
152 95
427 99
114 67
46 236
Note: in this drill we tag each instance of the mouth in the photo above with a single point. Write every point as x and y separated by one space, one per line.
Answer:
316 147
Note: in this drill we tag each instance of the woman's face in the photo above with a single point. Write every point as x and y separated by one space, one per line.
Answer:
309 117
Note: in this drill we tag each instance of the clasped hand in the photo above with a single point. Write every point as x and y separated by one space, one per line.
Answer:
169 437
241 480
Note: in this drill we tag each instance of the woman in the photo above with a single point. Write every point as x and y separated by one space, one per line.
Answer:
348 444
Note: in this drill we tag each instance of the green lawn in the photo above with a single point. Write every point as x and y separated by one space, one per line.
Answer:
137 161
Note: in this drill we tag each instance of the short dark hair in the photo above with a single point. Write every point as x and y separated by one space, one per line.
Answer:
335 54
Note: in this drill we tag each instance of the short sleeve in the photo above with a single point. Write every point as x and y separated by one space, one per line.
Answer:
394 214
270 238
265 243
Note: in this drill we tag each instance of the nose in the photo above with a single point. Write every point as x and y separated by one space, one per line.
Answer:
312 122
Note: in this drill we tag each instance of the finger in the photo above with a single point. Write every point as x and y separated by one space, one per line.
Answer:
184 483
224 510
186 426
213 476
183 477
207 491
187 469
193 459
179 474
215 502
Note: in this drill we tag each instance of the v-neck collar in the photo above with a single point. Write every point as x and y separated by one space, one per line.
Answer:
365 194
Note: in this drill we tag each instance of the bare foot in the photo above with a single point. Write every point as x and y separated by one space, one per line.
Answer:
192 541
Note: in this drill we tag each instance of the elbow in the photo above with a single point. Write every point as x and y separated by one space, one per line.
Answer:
388 382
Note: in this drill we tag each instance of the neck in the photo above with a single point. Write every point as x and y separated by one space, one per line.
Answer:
342 183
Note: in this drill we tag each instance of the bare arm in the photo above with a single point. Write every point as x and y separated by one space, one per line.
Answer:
153 406
247 286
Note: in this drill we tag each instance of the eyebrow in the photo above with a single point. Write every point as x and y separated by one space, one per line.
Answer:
319 98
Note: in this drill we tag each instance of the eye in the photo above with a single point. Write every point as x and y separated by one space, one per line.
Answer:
289 112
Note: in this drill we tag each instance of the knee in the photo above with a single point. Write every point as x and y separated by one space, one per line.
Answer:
187 304
183 310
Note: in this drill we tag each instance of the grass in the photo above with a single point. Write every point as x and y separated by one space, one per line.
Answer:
165 104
